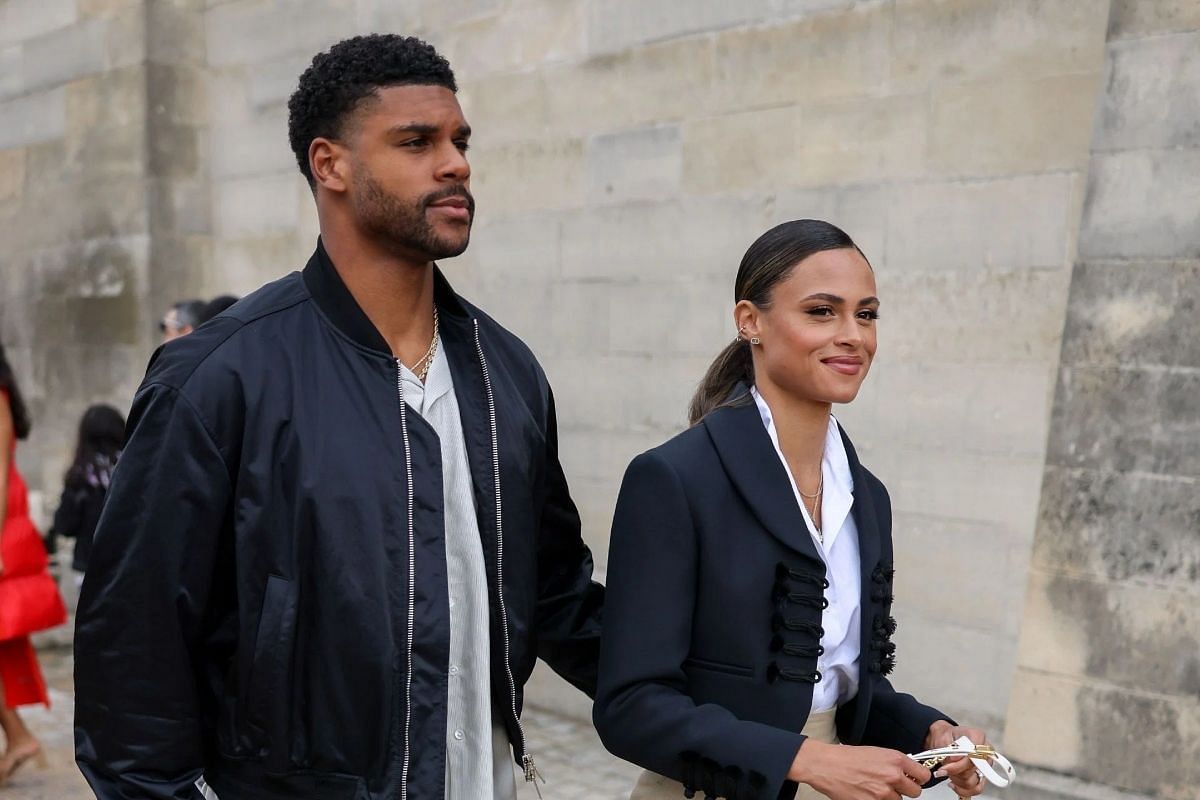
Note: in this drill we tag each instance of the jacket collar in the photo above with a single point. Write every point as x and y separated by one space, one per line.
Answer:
329 292
750 461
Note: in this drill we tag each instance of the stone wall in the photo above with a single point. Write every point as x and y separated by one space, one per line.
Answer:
626 154
1108 686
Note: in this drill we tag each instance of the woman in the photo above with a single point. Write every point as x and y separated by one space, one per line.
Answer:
101 432
747 625
27 592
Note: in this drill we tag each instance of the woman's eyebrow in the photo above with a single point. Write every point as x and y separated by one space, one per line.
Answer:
833 298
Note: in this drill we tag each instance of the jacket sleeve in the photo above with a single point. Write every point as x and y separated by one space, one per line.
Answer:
897 720
643 712
569 602
138 732
68 515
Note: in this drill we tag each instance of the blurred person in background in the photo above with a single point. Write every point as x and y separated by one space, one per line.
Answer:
181 319
85 485
339 534
747 633
29 599
216 306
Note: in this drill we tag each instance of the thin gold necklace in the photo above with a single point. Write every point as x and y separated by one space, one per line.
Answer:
427 359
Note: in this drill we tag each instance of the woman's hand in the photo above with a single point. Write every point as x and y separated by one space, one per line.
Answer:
842 772
965 780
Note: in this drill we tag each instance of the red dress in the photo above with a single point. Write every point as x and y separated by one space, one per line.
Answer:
19 670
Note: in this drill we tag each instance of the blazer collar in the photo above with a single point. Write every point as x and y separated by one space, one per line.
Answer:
329 291
750 461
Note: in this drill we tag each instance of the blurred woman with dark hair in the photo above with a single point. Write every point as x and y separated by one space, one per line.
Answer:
29 599
101 433
747 626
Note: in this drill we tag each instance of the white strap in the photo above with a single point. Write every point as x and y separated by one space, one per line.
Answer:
985 758
205 789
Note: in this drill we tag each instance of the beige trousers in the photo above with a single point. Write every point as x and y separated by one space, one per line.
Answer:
652 786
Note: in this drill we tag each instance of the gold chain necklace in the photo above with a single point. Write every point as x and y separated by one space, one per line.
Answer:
427 359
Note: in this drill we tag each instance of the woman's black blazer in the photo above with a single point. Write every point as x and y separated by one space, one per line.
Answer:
713 612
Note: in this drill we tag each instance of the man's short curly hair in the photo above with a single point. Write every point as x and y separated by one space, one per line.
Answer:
338 81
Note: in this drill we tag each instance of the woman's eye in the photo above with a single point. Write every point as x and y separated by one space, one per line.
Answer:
821 311
870 314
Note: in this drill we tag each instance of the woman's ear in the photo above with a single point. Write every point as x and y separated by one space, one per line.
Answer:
746 319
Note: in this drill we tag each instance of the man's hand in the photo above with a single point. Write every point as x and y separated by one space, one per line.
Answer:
842 772
964 779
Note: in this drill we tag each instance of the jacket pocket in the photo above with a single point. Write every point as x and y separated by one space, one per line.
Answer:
719 666
269 693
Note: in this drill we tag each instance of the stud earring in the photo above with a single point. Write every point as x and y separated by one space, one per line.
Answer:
755 340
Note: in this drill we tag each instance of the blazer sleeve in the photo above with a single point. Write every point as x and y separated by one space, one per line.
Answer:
569 603
643 712
140 624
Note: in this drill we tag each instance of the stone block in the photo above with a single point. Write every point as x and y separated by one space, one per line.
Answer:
177 94
437 14
107 8
111 152
21 20
975 129
805 60
943 41
524 248
506 107
271 83
11 81
531 33
242 265
615 25
1119 526
12 175
1133 18
126 42
654 84
388 17
860 211
664 319
123 210
176 34
859 142
242 141
65 54
1042 727
971 315
247 31
1133 314
1142 205
949 666
524 176
641 164
114 99
257 206
1153 94
1140 638
942 558
694 236
1139 741
1127 419
1010 223
32 118
766 153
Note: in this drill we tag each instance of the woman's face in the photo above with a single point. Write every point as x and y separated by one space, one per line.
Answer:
818 334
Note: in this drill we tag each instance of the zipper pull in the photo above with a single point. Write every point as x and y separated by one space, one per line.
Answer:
531 773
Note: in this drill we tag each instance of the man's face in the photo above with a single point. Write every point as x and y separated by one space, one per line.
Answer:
410 180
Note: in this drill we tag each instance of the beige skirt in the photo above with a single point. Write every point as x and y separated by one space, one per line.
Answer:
652 786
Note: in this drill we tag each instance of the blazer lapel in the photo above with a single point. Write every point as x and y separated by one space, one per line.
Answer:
865 519
754 468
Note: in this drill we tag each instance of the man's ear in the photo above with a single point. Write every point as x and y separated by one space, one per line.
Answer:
329 165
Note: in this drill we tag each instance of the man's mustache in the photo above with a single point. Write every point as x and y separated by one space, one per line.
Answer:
457 190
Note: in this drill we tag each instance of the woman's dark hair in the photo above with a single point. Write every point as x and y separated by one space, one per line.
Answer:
768 262
101 434
16 403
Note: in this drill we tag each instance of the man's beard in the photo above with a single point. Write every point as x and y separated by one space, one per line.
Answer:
405 228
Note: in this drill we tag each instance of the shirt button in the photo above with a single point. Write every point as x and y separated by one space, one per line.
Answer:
453 670
459 735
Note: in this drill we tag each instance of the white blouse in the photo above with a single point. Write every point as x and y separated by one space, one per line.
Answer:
842 620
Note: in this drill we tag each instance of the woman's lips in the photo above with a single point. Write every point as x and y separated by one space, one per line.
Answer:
846 366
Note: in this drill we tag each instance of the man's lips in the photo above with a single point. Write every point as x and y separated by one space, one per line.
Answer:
456 207
847 365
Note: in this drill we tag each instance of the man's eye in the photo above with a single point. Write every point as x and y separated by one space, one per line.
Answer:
414 143
463 145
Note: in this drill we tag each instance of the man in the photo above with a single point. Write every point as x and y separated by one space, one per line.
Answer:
339 535
180 319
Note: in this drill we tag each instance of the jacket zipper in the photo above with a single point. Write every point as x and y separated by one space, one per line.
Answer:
412 576
531 771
